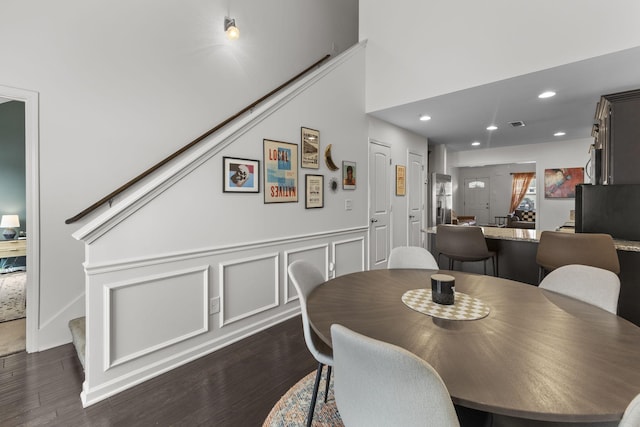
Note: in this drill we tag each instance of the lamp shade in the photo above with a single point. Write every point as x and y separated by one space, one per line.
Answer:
9 221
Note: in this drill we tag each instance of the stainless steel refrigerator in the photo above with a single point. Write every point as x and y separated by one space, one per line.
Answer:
441 199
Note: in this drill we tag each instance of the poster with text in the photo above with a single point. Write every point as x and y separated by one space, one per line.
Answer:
280 172
310 148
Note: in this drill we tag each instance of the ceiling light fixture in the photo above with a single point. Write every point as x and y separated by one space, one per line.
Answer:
425 117
492 127
547 94
233 33
559 134
475 143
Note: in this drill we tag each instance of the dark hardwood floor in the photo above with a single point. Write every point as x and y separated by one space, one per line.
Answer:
235 386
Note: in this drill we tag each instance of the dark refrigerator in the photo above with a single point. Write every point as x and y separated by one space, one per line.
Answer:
610 209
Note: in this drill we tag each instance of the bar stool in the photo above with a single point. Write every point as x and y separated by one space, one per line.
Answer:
464 244
557 248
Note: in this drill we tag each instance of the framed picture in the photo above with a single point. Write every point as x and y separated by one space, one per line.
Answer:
240 175
314 190
280 172
401 180
561 183
310 147
348 175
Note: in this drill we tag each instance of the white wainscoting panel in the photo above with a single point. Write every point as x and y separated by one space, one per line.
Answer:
248 286
317 255
145 314
382 245
349 256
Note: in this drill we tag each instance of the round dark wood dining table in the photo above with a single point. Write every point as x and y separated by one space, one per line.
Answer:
538 355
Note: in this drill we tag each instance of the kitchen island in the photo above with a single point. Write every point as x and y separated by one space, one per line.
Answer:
517 249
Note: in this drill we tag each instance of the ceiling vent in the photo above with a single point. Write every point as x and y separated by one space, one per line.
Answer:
517 124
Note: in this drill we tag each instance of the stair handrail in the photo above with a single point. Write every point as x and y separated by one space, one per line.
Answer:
109 197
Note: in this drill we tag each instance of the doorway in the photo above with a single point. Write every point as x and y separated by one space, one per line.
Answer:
379 204
31 146
415 200
476 199
13 220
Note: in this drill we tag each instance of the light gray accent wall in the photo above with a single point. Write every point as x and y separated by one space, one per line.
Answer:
13 198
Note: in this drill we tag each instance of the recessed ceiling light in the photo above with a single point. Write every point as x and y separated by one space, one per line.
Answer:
559 134
475 143
492 127
547 94
425 117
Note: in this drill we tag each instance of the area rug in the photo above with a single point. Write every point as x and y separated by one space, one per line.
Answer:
291 410
13 296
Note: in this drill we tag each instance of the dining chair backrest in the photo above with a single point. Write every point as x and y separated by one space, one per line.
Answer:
592 285
463 243
631 417
411 257
305 278
557 248
380 384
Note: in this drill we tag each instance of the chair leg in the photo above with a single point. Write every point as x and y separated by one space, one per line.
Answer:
484 264
495 265
315 395
326 387
540 274
450 263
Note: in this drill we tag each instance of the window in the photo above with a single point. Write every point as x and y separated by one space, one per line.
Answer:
529 201
476 184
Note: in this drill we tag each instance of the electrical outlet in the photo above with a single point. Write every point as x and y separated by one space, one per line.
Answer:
348 205
214 305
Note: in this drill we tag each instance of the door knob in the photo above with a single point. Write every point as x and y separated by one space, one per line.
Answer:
411 216
373 220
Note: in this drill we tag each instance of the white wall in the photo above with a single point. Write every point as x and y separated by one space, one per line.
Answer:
429 48
150 280
402 142
124 84
499 185
550 213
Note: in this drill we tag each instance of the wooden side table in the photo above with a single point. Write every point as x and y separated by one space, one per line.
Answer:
13 248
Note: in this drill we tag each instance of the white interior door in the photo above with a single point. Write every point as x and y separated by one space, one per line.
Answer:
476 199
415 199
379 205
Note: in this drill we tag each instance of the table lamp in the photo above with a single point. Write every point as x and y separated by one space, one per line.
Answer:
8 222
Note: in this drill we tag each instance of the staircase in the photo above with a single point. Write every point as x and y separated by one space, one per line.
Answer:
77 327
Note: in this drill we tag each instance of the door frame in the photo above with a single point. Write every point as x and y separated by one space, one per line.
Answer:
32 155
421 193
390 194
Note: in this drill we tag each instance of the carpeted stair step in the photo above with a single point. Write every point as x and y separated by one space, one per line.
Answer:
77 327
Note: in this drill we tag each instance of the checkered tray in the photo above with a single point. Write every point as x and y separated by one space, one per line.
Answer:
465 307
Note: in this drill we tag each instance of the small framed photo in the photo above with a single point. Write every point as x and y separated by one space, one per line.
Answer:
240 175
310 143
401 180
348 175
280 172
314 189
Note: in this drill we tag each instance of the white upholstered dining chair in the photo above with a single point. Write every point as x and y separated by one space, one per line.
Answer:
306 278
631 417
380 384
411 257
592 285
